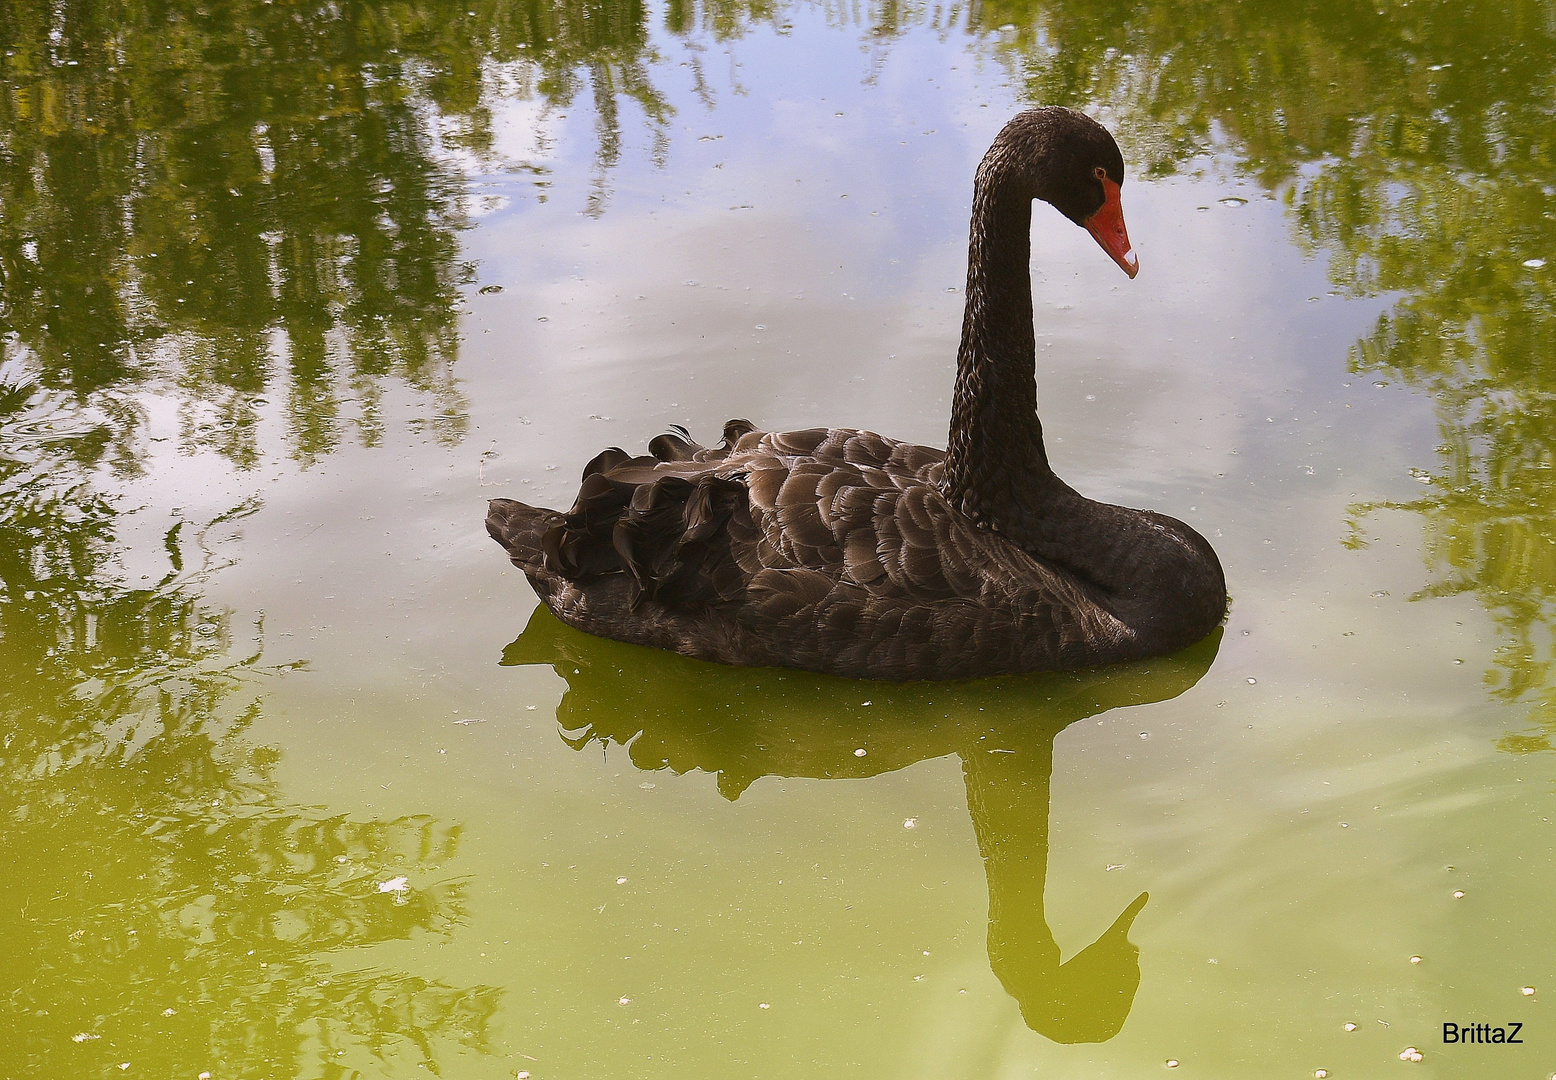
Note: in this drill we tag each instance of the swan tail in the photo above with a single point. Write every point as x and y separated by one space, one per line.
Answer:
520 529
665 522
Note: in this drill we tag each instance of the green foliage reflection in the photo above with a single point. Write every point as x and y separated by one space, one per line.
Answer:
1444 195
207 196
245 197
1415 147
162 906
680 714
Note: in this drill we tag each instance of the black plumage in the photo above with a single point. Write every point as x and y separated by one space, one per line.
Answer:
846 552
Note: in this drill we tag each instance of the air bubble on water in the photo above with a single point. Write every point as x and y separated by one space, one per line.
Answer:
859 752
1233 200
1534 264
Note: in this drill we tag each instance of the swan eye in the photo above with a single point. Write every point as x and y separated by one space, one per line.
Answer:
1100 173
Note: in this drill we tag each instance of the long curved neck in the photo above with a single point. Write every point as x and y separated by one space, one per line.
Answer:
996 469
1156 575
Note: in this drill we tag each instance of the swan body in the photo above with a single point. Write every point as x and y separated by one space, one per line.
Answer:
846 552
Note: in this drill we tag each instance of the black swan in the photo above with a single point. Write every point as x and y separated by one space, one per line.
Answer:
845 552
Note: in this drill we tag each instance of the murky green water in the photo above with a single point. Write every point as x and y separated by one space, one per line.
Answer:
295 783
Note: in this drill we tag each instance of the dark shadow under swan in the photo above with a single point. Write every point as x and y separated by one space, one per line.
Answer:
676 714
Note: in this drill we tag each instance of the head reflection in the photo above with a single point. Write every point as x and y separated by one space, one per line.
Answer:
743 724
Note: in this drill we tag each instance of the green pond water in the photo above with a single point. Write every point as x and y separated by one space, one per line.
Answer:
296 782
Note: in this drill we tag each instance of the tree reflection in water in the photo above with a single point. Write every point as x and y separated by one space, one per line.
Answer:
162 904
216 202
1414 145
233 199
679 714
199 197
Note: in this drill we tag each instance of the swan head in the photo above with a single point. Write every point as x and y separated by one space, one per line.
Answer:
1073 164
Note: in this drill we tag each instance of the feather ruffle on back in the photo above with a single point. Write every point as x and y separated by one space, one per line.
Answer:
664 532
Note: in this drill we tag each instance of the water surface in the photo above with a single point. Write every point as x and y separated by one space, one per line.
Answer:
295 781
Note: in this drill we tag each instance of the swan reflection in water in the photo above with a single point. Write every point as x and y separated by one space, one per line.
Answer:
674 713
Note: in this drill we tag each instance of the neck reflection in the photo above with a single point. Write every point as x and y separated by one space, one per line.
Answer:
742 724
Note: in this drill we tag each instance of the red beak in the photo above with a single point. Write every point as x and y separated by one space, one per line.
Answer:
1107 227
